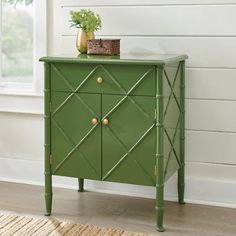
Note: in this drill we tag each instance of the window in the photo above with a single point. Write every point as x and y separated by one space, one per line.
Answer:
22 42
17 41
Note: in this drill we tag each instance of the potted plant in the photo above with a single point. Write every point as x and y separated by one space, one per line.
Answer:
87 22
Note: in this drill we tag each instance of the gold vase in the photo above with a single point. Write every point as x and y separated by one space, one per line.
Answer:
81 40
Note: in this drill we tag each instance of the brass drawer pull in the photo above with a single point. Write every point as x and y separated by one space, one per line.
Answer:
99 80
105 121
94 121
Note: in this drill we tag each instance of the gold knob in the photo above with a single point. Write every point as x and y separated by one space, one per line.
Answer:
94 121
99 80
105 121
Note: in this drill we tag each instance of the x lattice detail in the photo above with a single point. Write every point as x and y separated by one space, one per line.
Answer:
119 103
173 139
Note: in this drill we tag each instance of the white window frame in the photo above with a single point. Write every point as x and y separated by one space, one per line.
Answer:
22 97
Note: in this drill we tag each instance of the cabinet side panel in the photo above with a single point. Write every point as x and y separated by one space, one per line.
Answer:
172 118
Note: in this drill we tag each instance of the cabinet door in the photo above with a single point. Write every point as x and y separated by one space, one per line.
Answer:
128 139
75 141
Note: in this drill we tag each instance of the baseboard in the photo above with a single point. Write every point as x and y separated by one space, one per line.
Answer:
198 190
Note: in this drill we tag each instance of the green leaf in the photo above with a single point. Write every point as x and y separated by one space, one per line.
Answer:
85 19
15 2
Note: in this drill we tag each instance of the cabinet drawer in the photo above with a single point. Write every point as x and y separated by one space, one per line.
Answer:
108 79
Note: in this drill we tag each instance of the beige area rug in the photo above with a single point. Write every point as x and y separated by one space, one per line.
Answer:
25 226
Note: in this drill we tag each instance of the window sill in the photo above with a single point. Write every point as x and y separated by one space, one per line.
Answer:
20 93
17 88
19 102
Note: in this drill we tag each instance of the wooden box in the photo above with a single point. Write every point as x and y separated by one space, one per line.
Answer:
103 46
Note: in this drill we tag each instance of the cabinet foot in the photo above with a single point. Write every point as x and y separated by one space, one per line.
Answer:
182 203
181 194
181 186
48 202
160 229
81 185
159 222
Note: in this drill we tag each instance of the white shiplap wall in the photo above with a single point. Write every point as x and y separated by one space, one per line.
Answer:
205 30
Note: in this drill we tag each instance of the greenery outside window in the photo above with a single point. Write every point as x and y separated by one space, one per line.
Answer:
21 44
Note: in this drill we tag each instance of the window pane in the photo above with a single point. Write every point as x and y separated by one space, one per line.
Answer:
17 41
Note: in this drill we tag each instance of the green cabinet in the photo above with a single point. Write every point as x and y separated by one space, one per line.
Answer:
115 118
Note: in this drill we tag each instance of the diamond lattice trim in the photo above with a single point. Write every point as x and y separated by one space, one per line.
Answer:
75 147
129 153
119 103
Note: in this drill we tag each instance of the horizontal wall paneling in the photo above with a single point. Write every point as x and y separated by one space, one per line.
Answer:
211 115
21 136
161 20
210 147
65 3
213 83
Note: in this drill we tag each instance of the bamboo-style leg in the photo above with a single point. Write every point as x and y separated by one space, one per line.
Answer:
181 185
48 194
81 185
181 171
159 153
47 146
160 208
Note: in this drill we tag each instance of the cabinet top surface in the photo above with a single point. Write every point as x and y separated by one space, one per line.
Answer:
153 59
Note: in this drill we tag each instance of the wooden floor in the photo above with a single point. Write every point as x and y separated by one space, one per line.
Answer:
128 213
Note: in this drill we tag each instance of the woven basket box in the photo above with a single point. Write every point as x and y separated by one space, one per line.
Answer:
103 46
